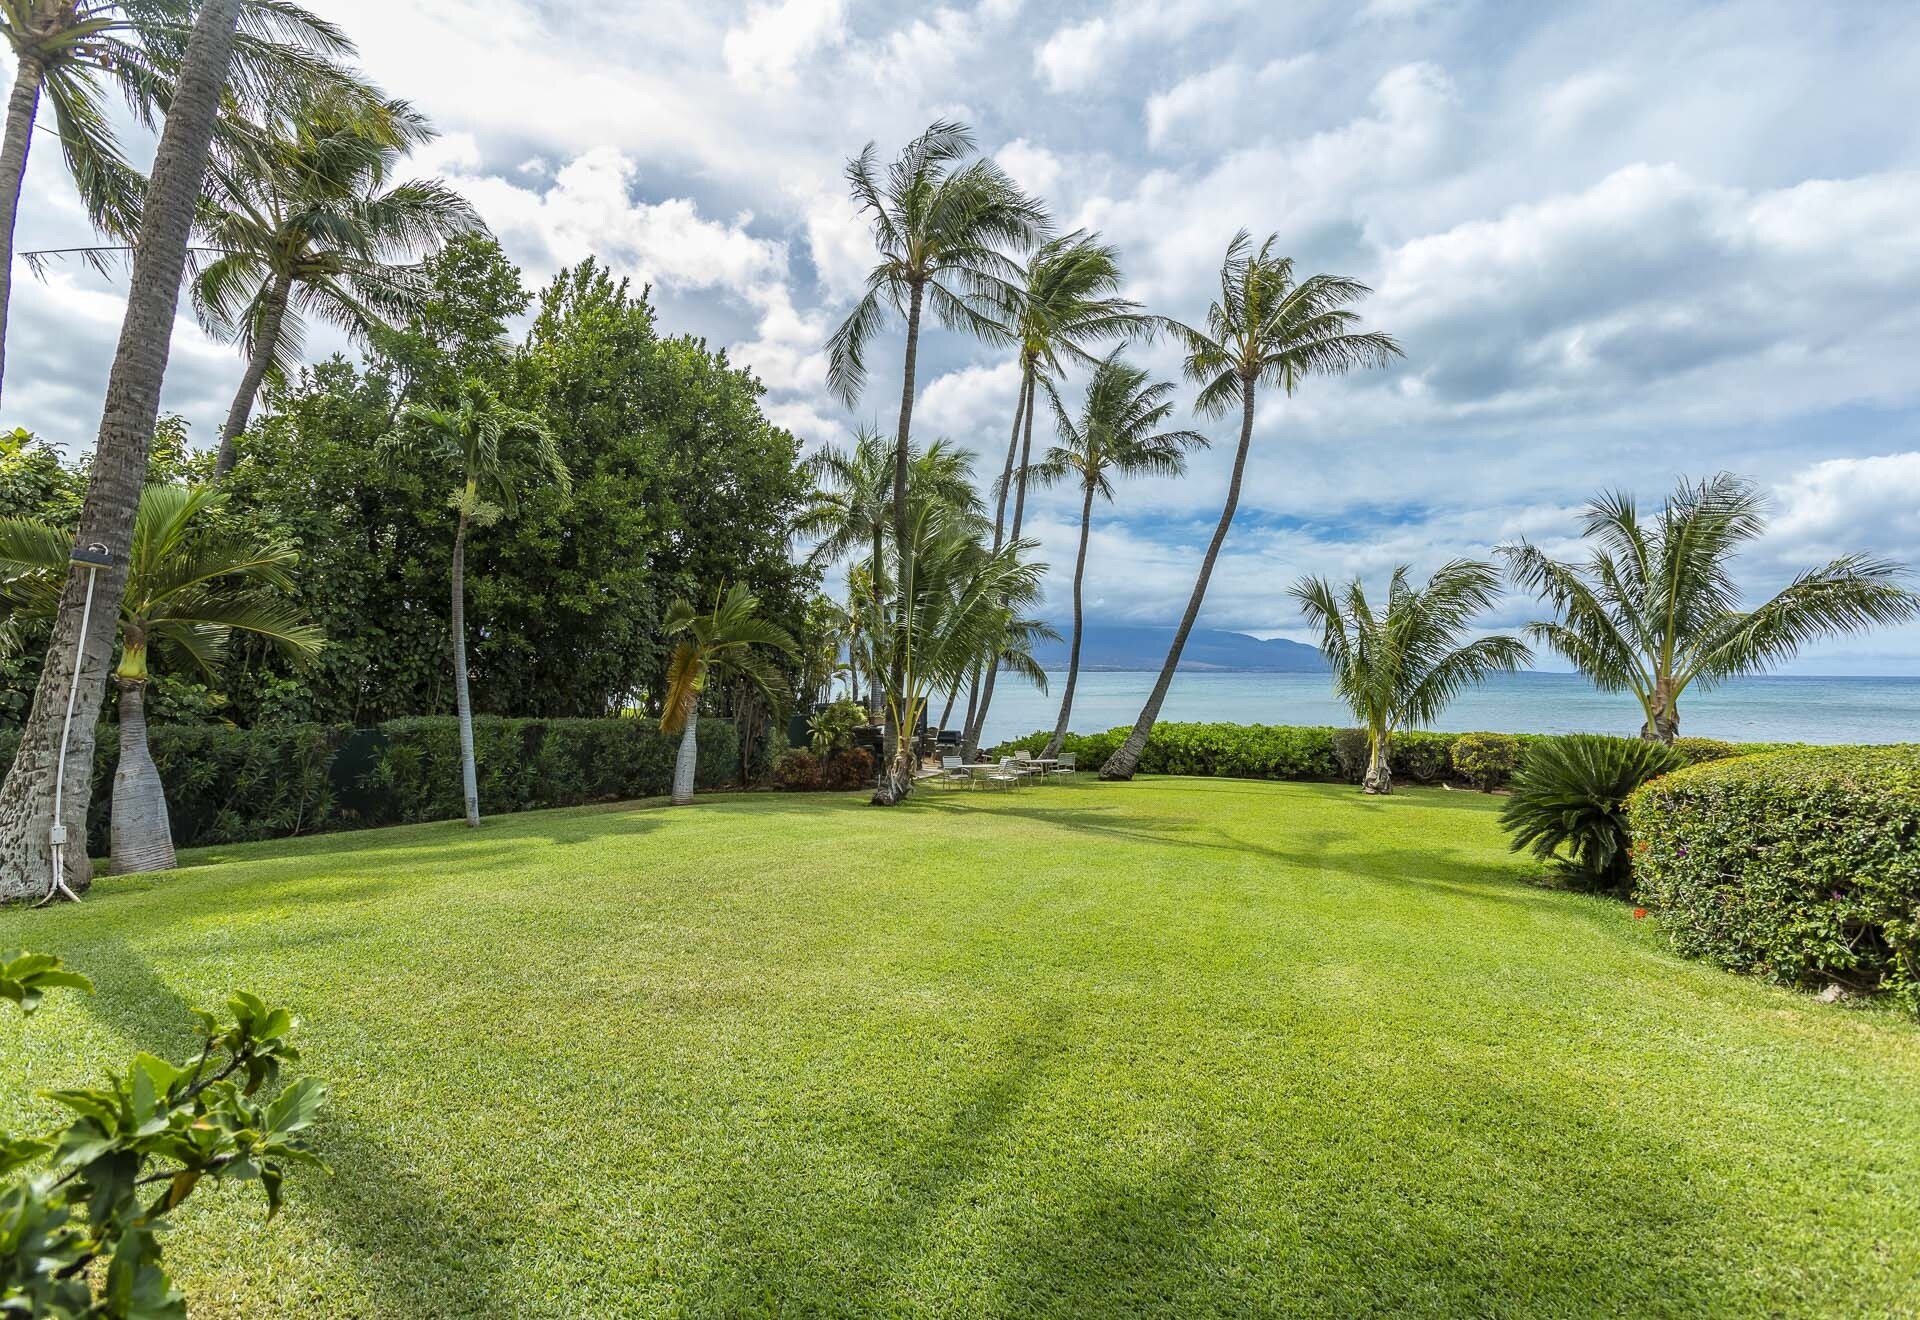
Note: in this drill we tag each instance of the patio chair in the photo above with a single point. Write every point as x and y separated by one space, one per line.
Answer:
1023 762
1066 766
1005 775
954 771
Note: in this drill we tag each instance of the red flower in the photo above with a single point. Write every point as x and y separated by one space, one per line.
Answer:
1639 914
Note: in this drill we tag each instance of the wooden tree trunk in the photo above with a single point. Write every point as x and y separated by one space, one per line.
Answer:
1379 772
1126 758
1665 724
142 833
23 104
1073 651
893 787
685 762
266 335
1019 475
462 698
127 419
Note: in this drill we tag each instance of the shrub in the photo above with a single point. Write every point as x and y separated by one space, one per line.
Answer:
1570 795
851 767
797 769
1486 760
1420 755
1802 866
1698 751
832 729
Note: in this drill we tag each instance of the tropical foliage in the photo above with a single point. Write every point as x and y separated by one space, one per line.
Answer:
727 642
1568 804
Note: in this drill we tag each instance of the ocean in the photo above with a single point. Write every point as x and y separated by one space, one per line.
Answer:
1774 709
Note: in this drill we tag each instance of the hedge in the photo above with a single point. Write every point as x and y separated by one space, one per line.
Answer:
1801 866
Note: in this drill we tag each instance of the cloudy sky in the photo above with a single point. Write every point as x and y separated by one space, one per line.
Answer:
1620 243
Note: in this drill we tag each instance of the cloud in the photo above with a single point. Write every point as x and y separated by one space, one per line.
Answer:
764 51
1075 55
1208 107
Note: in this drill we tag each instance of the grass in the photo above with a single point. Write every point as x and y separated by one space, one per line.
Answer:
1177 1047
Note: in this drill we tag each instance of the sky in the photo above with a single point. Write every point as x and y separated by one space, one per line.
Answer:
1621 244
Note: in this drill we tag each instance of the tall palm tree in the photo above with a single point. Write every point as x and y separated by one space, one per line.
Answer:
1065 305
28 829
941 217
492 449
307 222
69 52
1115 435
1654 609
189 588
1265 328
1398 670
727 641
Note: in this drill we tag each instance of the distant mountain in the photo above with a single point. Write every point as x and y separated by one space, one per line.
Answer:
1129 646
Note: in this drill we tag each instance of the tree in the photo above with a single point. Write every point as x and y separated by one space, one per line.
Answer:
28 829
493 449
940 225
306 224
1115 435
67 50
1265 328
1065 304
191 584
1654 609
1398 670
720 643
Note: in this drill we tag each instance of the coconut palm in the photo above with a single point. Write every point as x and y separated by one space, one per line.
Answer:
308 222
1266 328
1116 434
190 586
28 829
728 642
1654 608
70 52
1065 305
1398 670
493 449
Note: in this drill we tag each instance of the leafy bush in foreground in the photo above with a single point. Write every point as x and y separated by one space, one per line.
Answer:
1802 866
1569 803
1698 751
100 1188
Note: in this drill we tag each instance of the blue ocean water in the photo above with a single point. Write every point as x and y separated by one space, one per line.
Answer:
1813 710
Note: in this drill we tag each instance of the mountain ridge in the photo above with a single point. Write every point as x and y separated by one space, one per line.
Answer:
1129 647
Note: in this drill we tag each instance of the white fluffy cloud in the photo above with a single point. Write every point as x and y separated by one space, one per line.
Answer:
765 50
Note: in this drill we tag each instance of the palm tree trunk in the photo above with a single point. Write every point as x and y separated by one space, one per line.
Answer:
23 104
685 761
273 312
1073 651
1126 758
1379 771
142 832
946 716
876 703
1013 534
462 699
1664 726
981 690
897 782
127 419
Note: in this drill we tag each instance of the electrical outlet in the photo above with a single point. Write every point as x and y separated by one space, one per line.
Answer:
57 835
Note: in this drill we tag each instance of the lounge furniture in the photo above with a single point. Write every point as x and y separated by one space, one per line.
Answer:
954 771
1005 775
1065 765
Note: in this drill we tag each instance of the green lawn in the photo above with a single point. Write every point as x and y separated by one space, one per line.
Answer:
1175 1047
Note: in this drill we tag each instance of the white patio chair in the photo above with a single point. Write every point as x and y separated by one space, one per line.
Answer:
1006 774
1066 765
954 771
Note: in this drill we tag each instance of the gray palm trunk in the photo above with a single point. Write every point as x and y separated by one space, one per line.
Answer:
273 311
1073 651
1126 758
462 699
897 781
1665 724
686 761
142 832
127 420
1379 772
1023 401
23 104
1019 475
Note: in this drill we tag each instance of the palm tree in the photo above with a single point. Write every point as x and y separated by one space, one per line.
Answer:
722 642
940 221
493 449
1265 328
28 830
1115 435
1399 670
189 588
1654 608
67 51
1066 304
307 224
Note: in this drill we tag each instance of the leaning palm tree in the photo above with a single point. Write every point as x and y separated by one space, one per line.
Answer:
69 52
1398 670
1266 328
190 586
34 858
308 222
725 642
1654 608
1116 434
492 449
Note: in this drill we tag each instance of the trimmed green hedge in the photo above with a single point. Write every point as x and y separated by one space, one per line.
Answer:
1802 866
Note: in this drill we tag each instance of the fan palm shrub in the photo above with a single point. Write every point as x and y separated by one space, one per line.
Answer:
1266 328
1568 803
191 585
1398 668
1654 608
726 641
